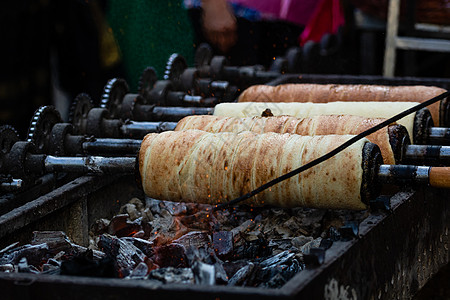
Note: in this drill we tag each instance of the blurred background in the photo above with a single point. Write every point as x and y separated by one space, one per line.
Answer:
54 50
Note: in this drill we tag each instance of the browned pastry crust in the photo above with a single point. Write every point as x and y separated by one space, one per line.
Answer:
197 166
318 125
322 93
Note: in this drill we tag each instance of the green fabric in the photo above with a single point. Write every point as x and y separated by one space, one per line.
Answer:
148 32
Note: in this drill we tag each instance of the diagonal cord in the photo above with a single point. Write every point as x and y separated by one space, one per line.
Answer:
332 152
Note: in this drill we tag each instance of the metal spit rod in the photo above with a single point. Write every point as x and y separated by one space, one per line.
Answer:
90 164
393 174
134 128
439 136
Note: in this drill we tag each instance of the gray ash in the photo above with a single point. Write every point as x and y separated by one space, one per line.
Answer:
189 243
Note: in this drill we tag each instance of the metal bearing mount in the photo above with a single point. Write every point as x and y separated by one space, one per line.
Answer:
41 127
202 59
8 137
174 68
79 111
147 82
294 59
113 94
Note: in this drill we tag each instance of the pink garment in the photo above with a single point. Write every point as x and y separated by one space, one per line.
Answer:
327 18
295 11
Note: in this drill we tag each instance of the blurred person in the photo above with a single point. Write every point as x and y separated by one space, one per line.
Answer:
52 51
250 32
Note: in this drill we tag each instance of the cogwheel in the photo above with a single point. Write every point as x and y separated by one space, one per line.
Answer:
8 136
174 68
41 126
203 55
147 82
79 110
113 93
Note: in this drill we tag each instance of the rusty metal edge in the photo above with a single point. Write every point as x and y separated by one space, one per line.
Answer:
50 202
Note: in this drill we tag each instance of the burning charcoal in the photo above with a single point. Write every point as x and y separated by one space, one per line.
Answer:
204 273
326 243
278 269
145 246
279 259
171 255
50 269
208 256
349 231
300 241
147 215
231 267
131 211
120 226
138 203
153 205
253 249
140 234
100 226
140 272
280 245
244 276
13 245
173 275
54 262
313 244
23 266
84 264
7 268
202 220
34 254
195 239
125 255
315 257
223 244
56 241
311 219
175 208
97 254
334 234
247 226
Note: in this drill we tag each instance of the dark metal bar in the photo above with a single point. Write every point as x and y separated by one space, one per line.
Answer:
403 174
427 154
169 114
90 164
114 146
140 129
439 136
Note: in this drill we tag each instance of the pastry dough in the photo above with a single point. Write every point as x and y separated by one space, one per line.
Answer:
317 125
304 110
322 93
198 166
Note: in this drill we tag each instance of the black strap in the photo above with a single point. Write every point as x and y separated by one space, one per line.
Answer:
332 152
